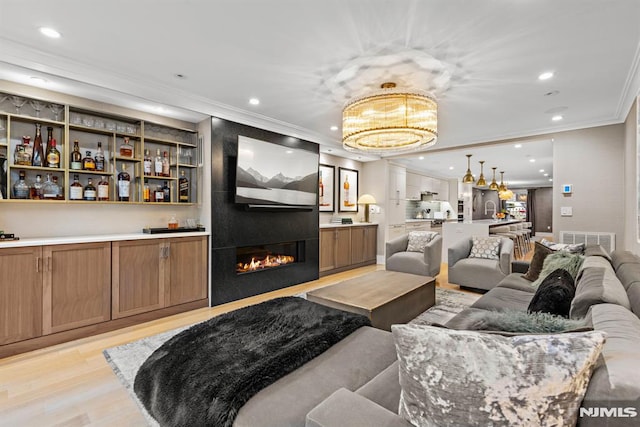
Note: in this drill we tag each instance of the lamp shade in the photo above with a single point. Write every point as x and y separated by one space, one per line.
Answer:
367 199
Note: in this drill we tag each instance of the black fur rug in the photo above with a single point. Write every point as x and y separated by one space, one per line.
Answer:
203 375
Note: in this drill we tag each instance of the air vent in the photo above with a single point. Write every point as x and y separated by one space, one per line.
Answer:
606 240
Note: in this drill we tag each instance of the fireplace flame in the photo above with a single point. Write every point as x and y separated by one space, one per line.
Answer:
267 262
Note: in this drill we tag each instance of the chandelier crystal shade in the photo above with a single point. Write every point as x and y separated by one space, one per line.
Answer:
390 121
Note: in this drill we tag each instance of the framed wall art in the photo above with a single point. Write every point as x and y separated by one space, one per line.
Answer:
326 188
348 190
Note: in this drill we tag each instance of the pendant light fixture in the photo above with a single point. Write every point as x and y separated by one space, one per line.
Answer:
481 181
494 185
502 187
468 177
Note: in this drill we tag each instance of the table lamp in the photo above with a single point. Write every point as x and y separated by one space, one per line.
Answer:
366 200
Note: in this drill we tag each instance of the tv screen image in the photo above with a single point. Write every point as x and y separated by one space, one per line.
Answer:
272 174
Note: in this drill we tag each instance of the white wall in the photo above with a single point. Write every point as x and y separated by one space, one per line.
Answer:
592 160
631 129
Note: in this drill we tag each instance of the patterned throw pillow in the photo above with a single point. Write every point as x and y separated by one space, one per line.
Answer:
485 247
466 378
418 240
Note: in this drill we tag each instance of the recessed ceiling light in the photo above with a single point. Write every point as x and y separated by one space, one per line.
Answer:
36 79
532 160
421 157
50 32
518 146
289 152
541 170
450 168
550 179
545 76
557 118
546 174
254 101
334 128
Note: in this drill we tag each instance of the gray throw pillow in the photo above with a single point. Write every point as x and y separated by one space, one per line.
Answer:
485 247
418 240
467 378
564 260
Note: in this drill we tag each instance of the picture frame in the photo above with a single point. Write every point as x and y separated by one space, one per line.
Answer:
348 190
326 188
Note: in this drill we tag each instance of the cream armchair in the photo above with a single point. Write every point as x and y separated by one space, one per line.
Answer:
478 273
425 263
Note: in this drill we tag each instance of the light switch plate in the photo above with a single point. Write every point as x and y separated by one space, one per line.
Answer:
566 211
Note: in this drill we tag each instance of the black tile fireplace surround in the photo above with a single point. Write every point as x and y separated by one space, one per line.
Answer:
234 226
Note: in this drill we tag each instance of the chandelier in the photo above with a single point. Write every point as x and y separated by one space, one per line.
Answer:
391 120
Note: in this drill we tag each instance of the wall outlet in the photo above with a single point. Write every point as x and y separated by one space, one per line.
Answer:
566 211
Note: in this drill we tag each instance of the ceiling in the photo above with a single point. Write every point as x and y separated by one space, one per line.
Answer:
303 60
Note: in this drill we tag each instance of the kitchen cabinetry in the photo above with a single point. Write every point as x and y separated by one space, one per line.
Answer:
152 274
397 183
443 193
417 226
69 123
413 186
396 230
20 294
343 248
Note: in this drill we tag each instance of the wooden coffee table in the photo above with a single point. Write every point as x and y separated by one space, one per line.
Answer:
385 297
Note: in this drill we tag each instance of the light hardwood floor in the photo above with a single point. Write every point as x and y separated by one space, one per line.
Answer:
71 384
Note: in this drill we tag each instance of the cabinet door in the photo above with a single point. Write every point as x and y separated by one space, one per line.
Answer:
444 190
357 244
137 276
413 192
327 249
343 247
20 294
397 212
187 270
77 286
370 243
397 182
396 231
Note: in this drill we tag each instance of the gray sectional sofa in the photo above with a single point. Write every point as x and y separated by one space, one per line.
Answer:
355 383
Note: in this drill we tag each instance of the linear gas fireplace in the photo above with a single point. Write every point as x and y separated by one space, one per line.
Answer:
261 257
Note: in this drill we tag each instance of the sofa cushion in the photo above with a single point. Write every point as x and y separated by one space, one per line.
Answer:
466 378
384 389
418 240
407 262
619 258
596 250
518 282
597 284
554 294
349 363
634 298
628 274
485 247
615 382
540 252
564 260
500 299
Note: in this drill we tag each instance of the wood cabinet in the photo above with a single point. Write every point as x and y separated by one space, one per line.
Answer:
76 285
343 248
152 274
20 294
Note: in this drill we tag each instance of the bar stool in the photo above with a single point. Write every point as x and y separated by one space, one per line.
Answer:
525 236
527 227
513 228
505 231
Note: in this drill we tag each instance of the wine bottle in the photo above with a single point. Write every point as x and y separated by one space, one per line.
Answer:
38 151
103 189
89 191
76 156
75 189
183 188
99 158
124 183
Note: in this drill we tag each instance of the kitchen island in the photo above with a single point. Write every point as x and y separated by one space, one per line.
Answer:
453 232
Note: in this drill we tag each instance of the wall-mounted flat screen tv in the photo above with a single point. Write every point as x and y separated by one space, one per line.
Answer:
275 175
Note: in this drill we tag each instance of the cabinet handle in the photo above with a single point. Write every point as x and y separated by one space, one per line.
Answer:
38 264
167 251
48 265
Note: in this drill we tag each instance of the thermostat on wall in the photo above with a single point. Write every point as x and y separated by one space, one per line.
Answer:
567 189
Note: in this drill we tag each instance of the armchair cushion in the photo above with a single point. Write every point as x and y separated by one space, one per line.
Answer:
418 240
485 247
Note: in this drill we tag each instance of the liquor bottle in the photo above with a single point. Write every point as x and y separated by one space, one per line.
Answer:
103 189
165 164
126 149
146 192
53 155
100 158
173 222
158 194
89 191
38 151
124 183
147 163
183 188
20 188
75 189
157 165
23 152
57 188
166 192
76 156
49 190
35 192
320 190
88 163
346 190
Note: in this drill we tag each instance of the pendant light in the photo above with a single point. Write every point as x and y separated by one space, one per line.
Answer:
468 177
502 187
494 185
481 181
